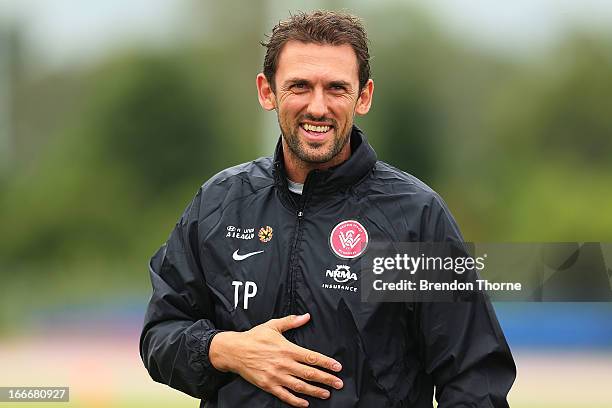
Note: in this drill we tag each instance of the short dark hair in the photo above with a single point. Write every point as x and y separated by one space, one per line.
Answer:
319 27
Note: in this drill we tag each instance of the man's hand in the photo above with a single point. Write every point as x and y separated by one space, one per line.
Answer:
263 357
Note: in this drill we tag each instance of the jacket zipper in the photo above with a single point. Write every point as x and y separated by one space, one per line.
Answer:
298 226
293 261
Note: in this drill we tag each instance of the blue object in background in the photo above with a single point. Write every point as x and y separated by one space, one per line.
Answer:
550 326
556 325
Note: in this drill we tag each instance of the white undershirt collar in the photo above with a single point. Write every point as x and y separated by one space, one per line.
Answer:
295 187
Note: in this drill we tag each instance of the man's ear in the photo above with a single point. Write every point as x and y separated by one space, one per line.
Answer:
266 96
365 98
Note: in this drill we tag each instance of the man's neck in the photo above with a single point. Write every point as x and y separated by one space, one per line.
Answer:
297 169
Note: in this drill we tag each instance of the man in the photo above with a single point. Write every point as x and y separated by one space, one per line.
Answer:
246 309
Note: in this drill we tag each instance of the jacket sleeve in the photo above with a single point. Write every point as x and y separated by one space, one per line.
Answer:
178 326
464 348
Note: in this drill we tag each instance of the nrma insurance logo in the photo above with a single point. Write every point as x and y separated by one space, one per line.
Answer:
341 274
343 278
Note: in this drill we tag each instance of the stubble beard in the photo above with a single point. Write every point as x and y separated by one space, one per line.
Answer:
290 134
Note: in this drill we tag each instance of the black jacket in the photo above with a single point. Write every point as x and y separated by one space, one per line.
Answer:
393 354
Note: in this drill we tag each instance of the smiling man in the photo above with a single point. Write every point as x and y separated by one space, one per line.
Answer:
316 90
256 297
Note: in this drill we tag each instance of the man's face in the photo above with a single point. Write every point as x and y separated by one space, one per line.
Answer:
317 95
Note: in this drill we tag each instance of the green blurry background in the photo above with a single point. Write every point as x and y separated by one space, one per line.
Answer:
113 113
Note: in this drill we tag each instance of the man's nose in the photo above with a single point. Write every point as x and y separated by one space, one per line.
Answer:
317 106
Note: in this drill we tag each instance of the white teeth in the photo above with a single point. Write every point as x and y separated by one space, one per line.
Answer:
312 128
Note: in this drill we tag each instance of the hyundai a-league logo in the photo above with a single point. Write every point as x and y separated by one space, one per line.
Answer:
265 233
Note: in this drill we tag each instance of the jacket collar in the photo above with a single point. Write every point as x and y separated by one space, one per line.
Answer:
339 177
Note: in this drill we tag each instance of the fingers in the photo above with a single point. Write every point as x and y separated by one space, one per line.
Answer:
289 322
312 374
302 387
288 397
306 356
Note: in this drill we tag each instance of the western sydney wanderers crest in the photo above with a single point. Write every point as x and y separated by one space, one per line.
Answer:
348 239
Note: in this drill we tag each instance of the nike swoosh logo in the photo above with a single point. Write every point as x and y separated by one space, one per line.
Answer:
245 256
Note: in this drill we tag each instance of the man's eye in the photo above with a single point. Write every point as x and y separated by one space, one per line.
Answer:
337 88
299 86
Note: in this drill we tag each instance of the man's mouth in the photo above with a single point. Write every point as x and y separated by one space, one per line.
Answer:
314 128
316 133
